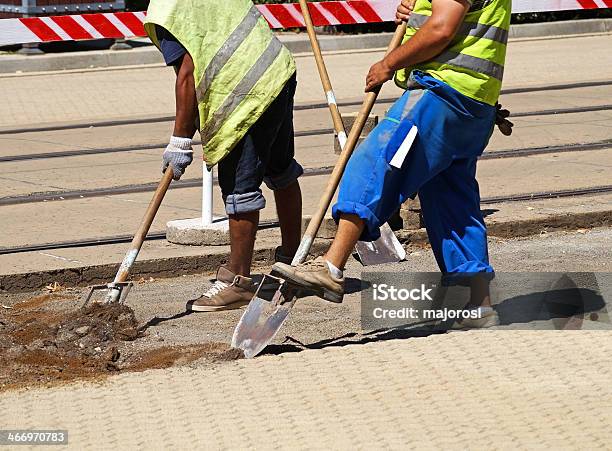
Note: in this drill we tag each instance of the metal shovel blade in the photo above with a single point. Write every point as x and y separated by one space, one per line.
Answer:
386 249
264 316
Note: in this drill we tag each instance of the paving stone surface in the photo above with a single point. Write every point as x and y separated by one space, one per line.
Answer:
463 390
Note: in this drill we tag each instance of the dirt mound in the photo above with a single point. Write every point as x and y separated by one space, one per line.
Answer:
50 346
44 346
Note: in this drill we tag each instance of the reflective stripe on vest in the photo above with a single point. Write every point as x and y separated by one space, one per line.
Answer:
228 49
466 29
476 64
240 67
473 62
243 88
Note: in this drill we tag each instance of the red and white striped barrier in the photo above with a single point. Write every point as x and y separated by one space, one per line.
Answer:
536 6
127 25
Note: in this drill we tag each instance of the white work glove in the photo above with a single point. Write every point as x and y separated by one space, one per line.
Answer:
178 155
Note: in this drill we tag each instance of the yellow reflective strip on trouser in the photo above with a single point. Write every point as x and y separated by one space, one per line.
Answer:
235 98
226 51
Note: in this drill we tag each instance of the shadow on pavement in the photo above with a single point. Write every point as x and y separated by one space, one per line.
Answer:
155 321
564 308
398 333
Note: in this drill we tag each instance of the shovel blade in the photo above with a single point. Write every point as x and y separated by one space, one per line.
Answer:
386 249
263 318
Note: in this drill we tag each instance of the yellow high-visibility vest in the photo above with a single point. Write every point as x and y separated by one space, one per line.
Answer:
240 66
473 63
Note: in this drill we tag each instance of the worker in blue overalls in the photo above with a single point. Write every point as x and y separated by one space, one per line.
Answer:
451 64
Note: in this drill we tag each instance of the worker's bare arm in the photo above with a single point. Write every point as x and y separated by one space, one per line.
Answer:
430 40
179 152
186 100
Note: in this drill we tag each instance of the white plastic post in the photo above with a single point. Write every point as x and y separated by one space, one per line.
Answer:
207 196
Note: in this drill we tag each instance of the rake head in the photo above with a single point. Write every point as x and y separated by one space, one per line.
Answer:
116 292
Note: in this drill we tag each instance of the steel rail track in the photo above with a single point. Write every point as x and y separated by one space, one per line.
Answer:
118 239
126 189
155 146
121 239
308 172
543 195
298 134
543 150
310 106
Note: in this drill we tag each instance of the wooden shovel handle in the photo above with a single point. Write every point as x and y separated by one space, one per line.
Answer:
327 86
343 159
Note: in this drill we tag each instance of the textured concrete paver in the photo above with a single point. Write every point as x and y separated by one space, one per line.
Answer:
313 119
465 390
531 60
473 390
142 166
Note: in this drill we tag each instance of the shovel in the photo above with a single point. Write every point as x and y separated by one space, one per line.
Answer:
386 249
120 287
264 317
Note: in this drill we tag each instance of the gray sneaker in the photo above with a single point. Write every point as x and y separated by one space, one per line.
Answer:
313 275
228 292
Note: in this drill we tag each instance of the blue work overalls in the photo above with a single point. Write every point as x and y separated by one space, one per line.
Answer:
453 130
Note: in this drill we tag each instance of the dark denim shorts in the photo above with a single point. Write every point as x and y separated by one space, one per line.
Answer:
265 154
172 50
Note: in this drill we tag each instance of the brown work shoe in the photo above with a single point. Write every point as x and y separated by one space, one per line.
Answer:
313 275
229 292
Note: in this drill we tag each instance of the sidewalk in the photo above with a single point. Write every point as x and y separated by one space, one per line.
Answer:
477 390
148 91
327 384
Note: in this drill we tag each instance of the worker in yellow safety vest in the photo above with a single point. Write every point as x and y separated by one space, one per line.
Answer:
235 82
451 65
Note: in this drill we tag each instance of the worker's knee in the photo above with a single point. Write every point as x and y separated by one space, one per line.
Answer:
236 204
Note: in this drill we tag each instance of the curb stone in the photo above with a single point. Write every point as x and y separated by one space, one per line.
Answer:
202 264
